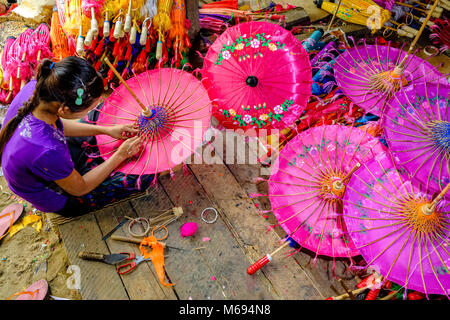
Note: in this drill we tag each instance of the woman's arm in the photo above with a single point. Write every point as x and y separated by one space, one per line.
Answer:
77 129
78 185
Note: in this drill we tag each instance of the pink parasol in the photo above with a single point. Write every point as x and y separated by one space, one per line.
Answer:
397 226
307 188
179 113
417 129
356 68
259 76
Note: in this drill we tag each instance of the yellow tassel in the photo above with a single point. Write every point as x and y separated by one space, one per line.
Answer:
162 19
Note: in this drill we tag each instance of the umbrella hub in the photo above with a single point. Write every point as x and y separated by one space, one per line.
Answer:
251 81
153 121
440 134
388 82
332 187
420 217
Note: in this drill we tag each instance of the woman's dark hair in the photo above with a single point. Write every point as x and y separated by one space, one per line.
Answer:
59 82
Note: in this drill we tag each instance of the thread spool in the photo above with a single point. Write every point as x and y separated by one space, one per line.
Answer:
403 33
133 34
429 23
159 50
89 38
118 29
144 33
128 19
80 45
410 30
94 23
106 26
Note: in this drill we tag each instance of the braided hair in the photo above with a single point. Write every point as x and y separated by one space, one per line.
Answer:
59 82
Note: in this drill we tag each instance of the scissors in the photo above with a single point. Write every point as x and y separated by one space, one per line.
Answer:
126 268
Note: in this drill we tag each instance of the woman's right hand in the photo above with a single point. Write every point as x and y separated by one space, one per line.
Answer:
130 147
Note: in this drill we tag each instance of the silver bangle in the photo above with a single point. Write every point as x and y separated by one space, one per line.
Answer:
430 50
215 217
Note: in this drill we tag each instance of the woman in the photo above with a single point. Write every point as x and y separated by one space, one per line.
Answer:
35 157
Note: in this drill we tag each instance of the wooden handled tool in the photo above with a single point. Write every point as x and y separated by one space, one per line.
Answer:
265 260
106 258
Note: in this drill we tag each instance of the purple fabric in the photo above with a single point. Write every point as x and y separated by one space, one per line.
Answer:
36 155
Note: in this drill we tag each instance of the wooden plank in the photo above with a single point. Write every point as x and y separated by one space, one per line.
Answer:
288 280
223 257
190 271
142 283
99 281
319 271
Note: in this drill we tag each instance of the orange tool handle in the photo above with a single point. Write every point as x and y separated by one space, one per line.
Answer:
259 264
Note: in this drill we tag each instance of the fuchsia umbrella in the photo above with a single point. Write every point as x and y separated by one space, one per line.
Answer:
355 68
417 129
259 76
307 187
179 115
398 227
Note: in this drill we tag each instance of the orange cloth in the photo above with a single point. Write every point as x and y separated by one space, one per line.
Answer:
157 256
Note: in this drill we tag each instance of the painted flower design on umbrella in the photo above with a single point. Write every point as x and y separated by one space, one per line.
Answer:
278 109
255 43
226 54
247 118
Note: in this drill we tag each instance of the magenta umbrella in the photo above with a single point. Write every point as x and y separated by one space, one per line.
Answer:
258 75
398 228
180 114
307 187
356 68
417 129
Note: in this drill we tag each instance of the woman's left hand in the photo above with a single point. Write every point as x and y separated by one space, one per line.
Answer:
122 132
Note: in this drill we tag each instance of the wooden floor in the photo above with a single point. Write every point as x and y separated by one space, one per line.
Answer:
238 239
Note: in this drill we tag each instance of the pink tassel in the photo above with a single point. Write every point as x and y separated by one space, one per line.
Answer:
263 212
154 183
259 179
125 182
256 195
138 183
186 170
172 175
270 228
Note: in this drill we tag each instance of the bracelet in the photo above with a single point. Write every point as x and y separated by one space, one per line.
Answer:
430 50
209 221
142 221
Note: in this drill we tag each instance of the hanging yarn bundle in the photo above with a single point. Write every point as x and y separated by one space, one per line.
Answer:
59 40
75 23
7 82
162 24
178 34
40 41
20 58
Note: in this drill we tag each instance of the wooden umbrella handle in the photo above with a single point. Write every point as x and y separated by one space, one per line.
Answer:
265 260
91 256
424 24
106 60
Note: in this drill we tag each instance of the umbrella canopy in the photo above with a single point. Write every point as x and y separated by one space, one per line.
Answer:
417 129
355 68
180 114
389 221
259 76
306 191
